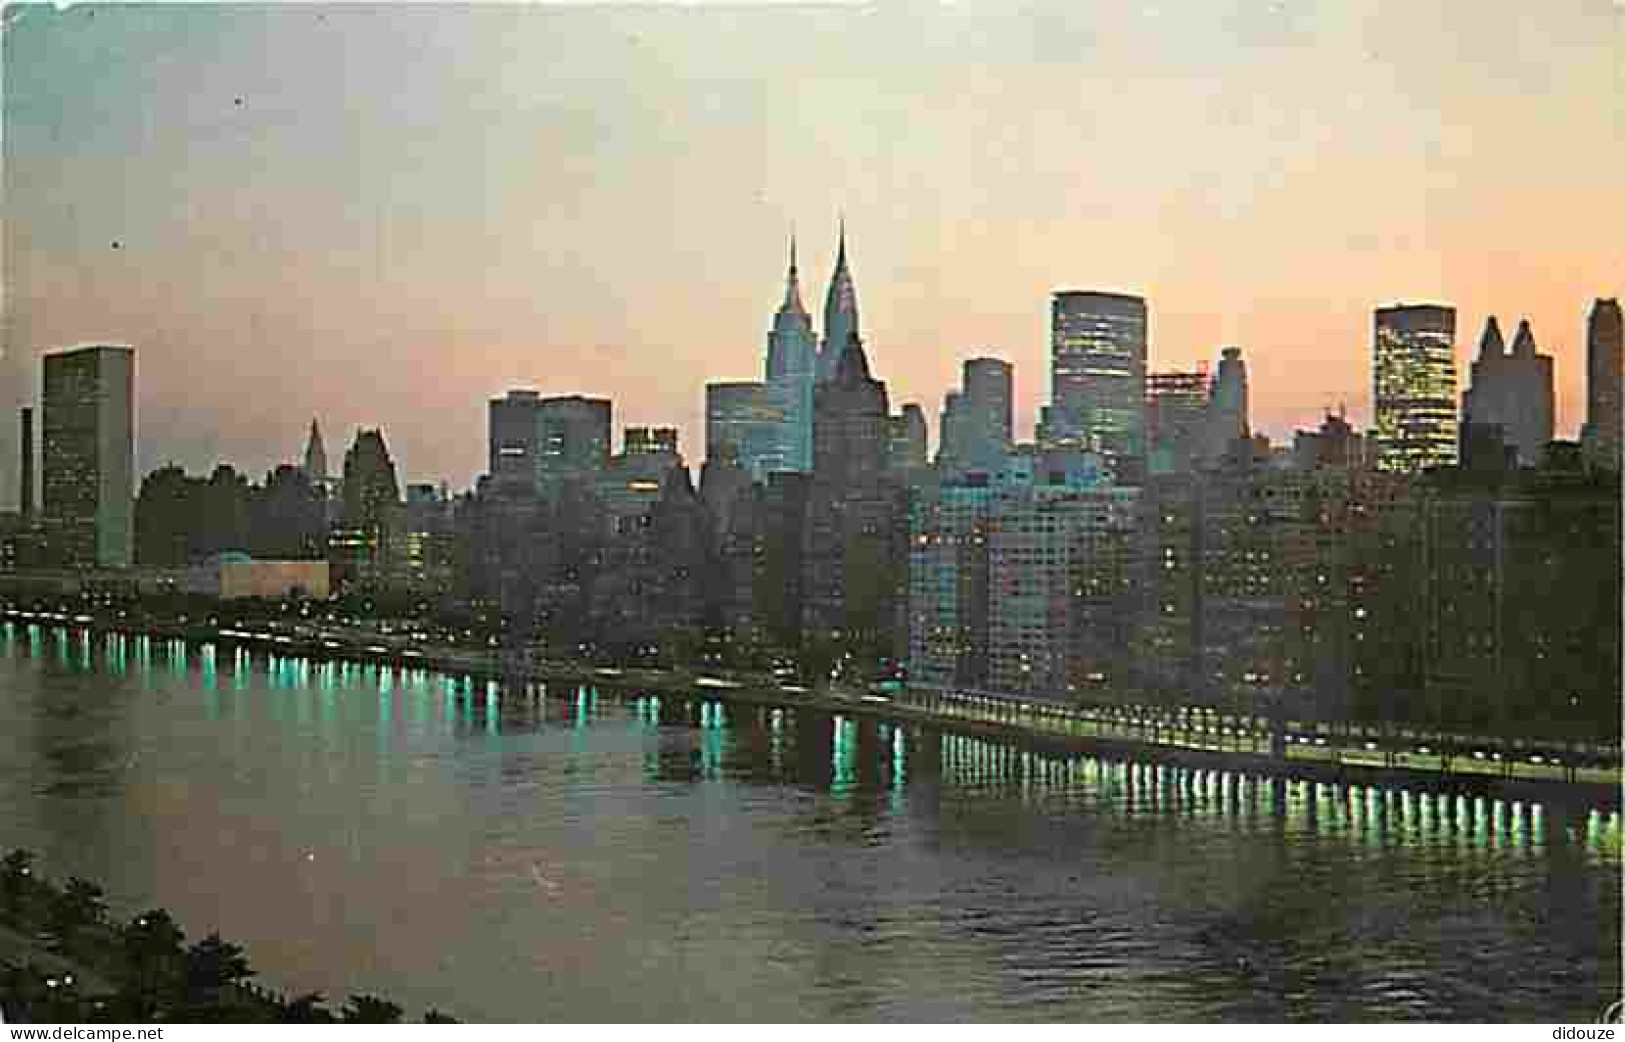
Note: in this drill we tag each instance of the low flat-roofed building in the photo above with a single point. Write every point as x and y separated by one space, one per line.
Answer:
231 576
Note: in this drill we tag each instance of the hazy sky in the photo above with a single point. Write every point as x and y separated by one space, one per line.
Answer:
384 215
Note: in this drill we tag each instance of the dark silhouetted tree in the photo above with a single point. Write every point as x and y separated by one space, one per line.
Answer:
370 1009
155 962
77 906
212 964
16 879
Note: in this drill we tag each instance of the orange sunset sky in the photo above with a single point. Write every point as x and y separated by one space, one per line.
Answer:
385 215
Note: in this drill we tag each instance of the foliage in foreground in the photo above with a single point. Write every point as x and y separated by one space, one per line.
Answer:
67 961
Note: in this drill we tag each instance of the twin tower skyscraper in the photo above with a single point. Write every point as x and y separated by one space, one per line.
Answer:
797 362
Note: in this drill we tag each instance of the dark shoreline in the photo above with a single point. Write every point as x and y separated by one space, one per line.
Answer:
758 691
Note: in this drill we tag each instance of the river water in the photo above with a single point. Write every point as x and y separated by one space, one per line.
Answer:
580 855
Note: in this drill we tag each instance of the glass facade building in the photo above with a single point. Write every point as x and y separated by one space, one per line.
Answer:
1414 387
1097 378
744 425
88 456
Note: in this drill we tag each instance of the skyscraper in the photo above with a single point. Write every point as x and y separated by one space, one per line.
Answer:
1511 392
1605 371
513 431
852 429
1414 386
976 430
840 314
908 448
849 574
953 428
1097 378
650 441
573 438
1175 419
25 491
1227 420
743 425
362 549
792 370
88 456
371 488
988 406
316 459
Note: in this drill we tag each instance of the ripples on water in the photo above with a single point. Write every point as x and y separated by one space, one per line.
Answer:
564 854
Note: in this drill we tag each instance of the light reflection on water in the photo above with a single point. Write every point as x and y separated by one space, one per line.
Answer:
559 852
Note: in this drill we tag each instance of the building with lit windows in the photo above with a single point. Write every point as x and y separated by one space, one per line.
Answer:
649 441
1060 568
574 438
1175 418
1519 609
851 570
947 585
88 457
977 427
514 438
1097 378
1414 387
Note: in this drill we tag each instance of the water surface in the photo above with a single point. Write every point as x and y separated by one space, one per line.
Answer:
579 855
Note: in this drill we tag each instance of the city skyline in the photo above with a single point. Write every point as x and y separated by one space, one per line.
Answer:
230 250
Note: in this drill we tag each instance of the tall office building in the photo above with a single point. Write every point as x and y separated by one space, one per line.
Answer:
25 473
849 563
371 488
1511 392
852 429
743 425
908 439
947 585
989 428
1227 419
953 431
792 370
1414 387
650 441
513 435
88 456
840 314
315 465
365 547
573 438
1175 419
1097 378
1605 370
977 427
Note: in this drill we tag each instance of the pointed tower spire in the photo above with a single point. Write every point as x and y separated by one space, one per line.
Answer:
1523 341
1491 345
853 365
315 455
840 311
792 284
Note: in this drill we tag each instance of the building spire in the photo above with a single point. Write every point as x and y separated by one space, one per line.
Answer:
1523 341
792 283
1491 345
840 310
315 455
